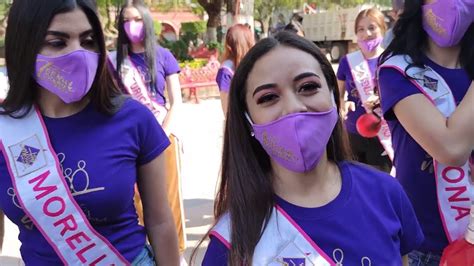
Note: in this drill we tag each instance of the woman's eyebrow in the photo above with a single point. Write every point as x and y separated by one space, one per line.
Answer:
305 75
264 86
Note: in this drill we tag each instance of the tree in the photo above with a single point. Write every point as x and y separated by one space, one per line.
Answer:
4 9
106 9
213 9
265 8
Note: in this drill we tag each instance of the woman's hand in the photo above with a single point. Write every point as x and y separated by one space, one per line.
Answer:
371 103
158 217
348 106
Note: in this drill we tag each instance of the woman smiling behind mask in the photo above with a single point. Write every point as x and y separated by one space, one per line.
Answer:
285 168
70 152
356 80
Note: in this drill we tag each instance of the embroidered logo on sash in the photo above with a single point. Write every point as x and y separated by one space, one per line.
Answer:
294 261
29 156
430 83
292 255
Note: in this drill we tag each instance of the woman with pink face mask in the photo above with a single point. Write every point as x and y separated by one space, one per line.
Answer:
427 96
356 80
144 70
72 147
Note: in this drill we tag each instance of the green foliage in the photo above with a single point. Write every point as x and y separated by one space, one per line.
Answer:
196 8
264 8
216 46
158 27
194 63
179 48
195 27
191 30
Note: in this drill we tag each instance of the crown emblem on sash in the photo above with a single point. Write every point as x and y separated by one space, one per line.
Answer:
430 83
28 155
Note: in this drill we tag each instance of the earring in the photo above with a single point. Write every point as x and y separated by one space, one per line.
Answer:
252 134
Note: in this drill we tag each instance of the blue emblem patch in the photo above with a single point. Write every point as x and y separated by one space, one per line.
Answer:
294 261
28 155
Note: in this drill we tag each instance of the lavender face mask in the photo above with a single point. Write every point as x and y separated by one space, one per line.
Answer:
446 21
134 30
370 45
297 141
68 76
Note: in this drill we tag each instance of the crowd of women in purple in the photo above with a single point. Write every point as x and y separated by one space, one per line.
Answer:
83 132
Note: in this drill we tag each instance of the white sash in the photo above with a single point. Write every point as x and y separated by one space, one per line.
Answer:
135 86
365 86
229 65
454 189
283 242
45 197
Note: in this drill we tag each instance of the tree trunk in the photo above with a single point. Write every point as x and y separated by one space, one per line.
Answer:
213 10
213 22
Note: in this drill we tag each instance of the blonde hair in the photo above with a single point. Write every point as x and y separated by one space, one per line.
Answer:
374 14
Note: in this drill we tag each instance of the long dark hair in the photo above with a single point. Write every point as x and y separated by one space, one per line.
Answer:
123 43
28 22
246 187
411 39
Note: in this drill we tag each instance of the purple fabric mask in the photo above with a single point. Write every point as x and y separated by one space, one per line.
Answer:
297 141
68 76
370 45
134 30
446 21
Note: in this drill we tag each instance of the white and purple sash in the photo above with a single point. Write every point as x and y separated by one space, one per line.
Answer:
135 86
365 87
229 65
283 242
454 190
45 197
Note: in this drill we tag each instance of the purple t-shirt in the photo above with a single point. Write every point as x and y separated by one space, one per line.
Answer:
344 74
371 217
224 76
104 151
166 65
414 166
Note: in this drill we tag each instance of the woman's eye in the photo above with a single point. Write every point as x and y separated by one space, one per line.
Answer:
267 98
309 87
89 43
56 43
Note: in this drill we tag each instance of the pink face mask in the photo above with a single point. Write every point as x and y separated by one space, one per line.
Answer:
134 30
446 21
68 76
370 45
297 141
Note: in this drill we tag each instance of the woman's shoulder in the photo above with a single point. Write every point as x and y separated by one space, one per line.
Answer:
131 108
369 176
163 52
